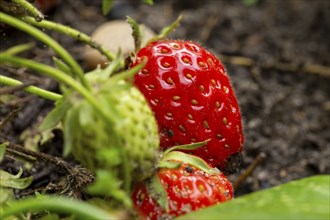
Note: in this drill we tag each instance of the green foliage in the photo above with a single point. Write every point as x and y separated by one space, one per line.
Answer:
8 182
250 2
308 198
14 181
57 204
149 2
106 6
190 159
3 150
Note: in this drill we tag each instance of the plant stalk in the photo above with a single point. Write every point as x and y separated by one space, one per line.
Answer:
63 29
38 16
60 77
83 210
64 54
31 89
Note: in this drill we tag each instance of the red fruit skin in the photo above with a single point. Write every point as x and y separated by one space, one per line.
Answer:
187 188
46 5
191 95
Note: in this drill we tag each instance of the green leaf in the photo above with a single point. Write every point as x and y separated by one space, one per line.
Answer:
6 194
3 150
55 116
191 160
106 6
149 2
14 181
308 198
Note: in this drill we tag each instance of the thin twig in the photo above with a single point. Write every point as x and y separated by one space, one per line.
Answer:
249 170
19 150
76 177
8 118
285 67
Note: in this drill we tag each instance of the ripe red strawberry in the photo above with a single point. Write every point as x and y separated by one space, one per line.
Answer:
187 189
192 98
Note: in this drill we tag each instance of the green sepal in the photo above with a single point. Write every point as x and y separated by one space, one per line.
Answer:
192 146
166 31
3 147
85 114
169 164
69 129
99 74
55 116
191 160
157 191
135 33
130 72
14 181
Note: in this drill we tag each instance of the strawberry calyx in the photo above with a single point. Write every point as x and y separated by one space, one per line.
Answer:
174 159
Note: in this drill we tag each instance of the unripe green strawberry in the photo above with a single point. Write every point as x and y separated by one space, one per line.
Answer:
132 135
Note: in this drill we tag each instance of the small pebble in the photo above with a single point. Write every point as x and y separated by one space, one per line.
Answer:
114 35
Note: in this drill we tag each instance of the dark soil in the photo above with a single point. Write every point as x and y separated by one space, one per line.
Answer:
277 53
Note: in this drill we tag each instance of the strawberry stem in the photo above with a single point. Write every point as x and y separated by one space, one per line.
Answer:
12 21
19 48
31 89
59 76
78 208
38 16
71 32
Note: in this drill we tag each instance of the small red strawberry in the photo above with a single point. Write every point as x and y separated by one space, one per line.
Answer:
187 189
191 95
